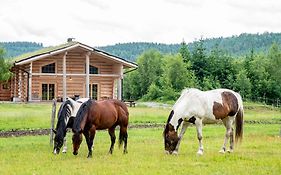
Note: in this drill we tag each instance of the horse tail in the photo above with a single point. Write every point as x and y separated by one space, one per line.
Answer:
123 135
239 122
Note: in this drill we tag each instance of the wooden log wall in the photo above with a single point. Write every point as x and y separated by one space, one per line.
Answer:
76 84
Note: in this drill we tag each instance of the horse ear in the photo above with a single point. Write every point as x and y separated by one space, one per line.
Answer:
55 131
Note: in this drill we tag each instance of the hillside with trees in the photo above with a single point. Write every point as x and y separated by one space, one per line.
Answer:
235 45
13 49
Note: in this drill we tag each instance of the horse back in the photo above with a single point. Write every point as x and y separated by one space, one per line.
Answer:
107 113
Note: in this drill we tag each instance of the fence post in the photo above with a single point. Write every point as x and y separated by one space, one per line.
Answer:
53 121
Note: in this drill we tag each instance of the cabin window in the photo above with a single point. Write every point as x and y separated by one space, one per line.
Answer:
50 68
6 86
93 70
93 94
48 91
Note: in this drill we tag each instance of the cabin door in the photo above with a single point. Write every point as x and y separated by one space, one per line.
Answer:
48 91
93 91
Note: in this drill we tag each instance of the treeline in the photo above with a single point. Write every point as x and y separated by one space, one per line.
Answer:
163 76
131 51
14 49
238 45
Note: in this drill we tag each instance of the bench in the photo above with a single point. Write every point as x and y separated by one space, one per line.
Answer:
130 103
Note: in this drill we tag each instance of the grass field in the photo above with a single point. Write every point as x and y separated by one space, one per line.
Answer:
35 116
259 153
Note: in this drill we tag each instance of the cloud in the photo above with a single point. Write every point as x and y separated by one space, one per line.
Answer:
98 22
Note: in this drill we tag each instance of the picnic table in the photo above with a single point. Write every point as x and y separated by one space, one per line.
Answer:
131 103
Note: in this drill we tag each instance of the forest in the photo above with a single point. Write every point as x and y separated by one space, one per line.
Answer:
162 77
237 45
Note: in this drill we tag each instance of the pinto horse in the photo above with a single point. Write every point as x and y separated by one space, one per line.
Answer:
66 114
193 106
99 115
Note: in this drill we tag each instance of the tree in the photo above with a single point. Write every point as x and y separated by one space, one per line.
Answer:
184 52
149 71
177 75
243 84
199 61
5 73
274 56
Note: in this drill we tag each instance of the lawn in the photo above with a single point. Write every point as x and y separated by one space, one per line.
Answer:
259 153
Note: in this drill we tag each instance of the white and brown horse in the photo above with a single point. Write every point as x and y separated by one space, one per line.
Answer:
193 106
66 114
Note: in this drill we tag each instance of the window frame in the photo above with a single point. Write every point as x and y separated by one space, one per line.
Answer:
55 68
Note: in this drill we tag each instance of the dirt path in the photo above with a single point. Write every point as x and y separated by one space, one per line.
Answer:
34 132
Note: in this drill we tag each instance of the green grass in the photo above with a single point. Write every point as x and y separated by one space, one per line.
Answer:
25 116
38 115
259 153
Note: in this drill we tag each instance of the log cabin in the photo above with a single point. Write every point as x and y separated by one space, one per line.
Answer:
72 69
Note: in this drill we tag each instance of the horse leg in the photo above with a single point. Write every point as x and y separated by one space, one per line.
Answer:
123 136
183 129
231 147
228 121
91 136
64 145
198 124
111 132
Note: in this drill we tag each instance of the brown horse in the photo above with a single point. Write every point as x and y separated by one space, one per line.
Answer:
99 115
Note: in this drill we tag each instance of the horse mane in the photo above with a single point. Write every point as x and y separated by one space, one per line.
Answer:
63 112
80 115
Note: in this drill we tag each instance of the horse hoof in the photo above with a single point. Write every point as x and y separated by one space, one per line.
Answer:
175 153
167 152
89 156
200 153
230 151
222 151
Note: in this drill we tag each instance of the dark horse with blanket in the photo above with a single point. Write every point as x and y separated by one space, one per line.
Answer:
98 115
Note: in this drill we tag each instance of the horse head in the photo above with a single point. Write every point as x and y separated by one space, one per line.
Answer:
76 141
63 117
170 139
76 128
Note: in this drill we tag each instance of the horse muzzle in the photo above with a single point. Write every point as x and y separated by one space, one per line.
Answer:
75 153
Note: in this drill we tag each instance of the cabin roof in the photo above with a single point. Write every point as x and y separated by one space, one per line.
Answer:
48 51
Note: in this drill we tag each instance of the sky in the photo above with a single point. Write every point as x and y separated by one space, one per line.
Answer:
107 22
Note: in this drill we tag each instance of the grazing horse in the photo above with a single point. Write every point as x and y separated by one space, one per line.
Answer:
66 114
193 106
99 115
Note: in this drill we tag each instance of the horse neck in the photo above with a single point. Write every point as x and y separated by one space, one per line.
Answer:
81 117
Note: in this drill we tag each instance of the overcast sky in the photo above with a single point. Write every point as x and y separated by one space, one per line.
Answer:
106 22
